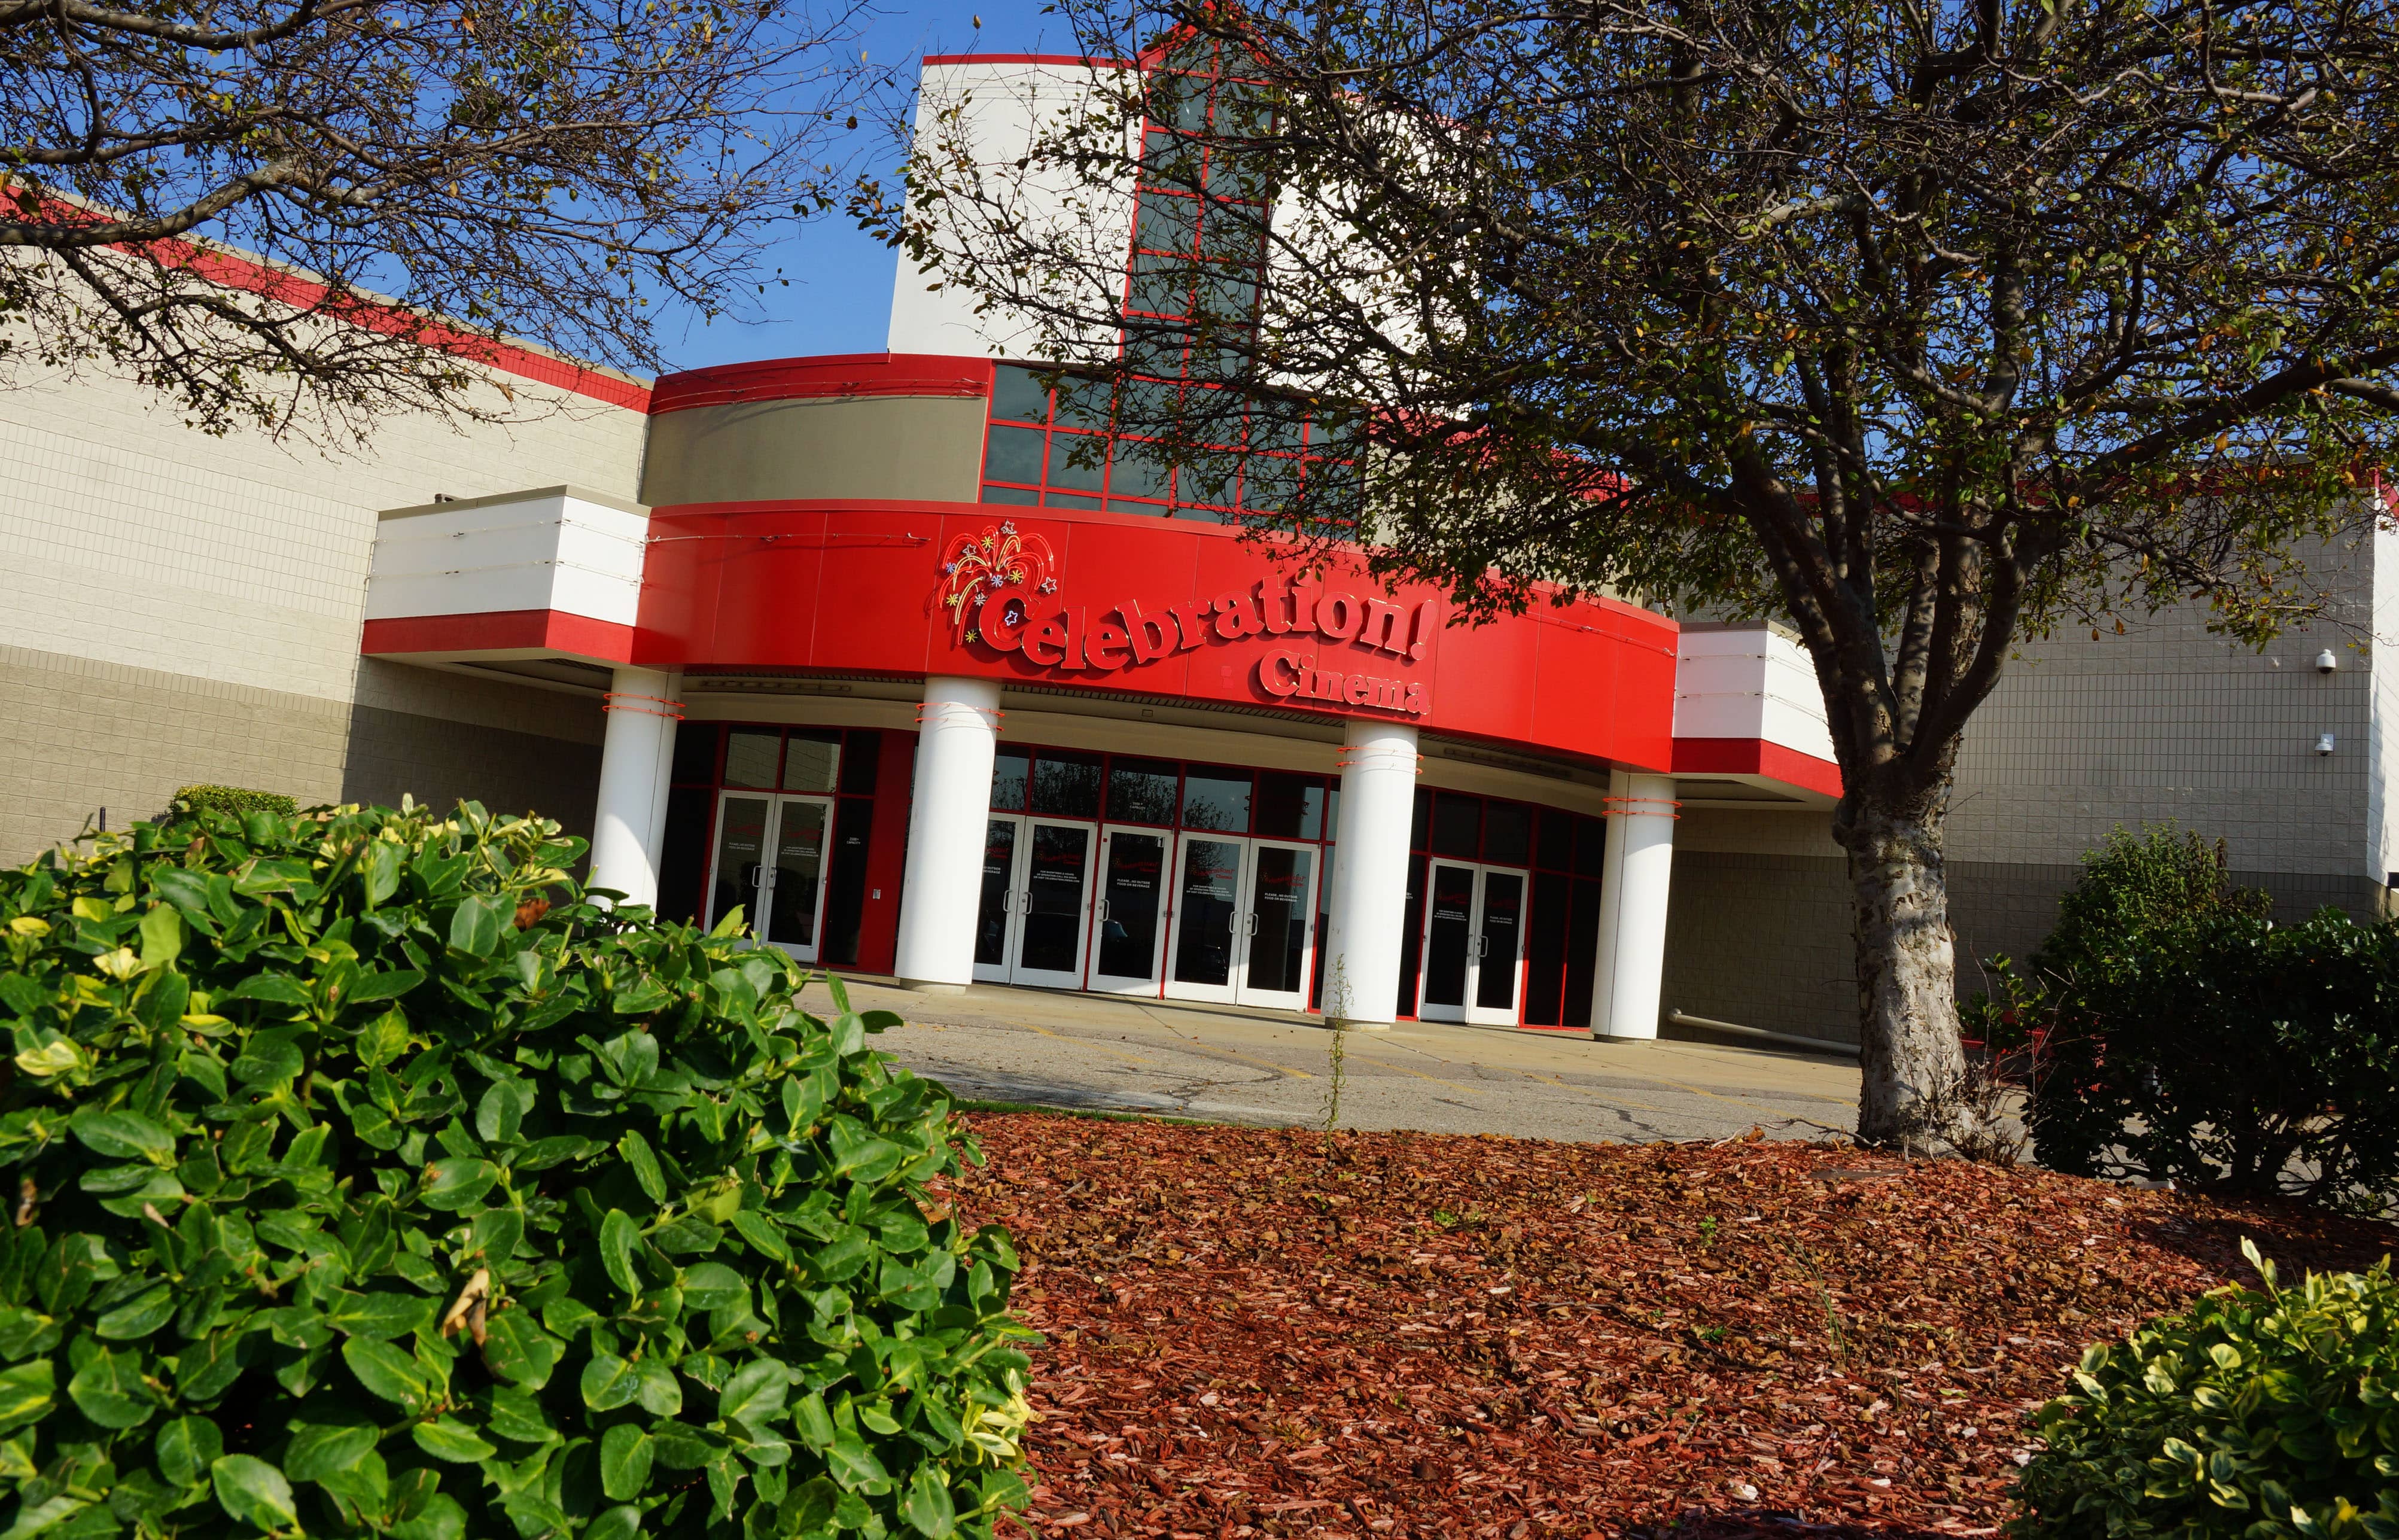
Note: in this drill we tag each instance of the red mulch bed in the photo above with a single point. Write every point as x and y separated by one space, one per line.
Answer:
1255 1331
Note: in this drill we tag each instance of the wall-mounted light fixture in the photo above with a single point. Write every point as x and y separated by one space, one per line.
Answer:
2324 743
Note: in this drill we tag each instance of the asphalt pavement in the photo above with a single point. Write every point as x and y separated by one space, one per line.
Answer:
1223 1064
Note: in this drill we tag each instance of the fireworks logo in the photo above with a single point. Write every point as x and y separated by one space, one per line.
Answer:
1004 557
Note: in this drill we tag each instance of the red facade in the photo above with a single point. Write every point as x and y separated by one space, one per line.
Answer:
1176 609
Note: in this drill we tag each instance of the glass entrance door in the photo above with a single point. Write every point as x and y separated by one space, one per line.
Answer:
1499 949
1031 925
1279 931
1473 944
1129 923
1207 918
1244 923
770 859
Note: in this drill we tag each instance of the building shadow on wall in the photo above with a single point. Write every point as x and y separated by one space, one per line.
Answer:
441 762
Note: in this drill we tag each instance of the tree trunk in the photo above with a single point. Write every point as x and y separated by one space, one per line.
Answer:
1911 1064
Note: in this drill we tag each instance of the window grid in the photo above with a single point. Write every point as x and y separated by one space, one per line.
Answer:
1104 767
1185 239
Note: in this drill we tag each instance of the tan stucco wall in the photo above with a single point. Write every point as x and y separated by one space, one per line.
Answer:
915 447
179 608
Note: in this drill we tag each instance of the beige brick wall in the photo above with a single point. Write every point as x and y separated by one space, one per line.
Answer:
85 736
176 608
2169 723
2163 723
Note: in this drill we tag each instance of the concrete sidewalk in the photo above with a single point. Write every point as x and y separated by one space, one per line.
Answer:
1226 1064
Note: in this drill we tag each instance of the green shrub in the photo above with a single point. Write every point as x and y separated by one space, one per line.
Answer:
2256 1415
369 1181
236 800
2177 1033
2239 1055
2135 891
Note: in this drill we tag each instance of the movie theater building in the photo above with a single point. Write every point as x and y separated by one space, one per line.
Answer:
863 647
873 675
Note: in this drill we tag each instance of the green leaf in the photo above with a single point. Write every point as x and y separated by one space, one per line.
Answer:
109 1390
684 1447
27 1391
317 1451
517 1350
661 1393
388 1372
380 871
624 1462
501 1111
619 1237
252 1491
442 1519
761 1232
162 937
708 1284
616 1523
926 1505
47 1515
475 925
859 1155
610 1382
207 1368
643 1164
755 1393
518 1414
186 1447
382 1314
384 986
270 1058
384 1038
124 1135
274 989
448 1439
453 1182
542 1154
496 1235
808 1414
851 1463
139 1316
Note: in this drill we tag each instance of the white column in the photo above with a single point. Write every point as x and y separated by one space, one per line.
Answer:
657 842
1369 879
634 758
957 734
1633 906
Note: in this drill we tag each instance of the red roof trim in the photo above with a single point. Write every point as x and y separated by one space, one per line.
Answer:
932 59
1757 757
829 378
255 278
500 632
231 270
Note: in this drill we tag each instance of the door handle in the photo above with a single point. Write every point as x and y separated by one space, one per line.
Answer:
1104 912
1253 924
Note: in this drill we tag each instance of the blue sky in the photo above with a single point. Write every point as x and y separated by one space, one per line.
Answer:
840 295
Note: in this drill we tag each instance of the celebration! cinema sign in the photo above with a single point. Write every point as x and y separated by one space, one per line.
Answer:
1001 592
